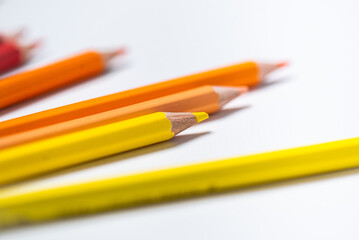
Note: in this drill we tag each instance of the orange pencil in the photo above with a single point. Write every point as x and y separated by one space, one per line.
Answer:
244 74
202 99
29 84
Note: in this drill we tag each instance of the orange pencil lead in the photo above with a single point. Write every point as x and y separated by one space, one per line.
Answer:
282 64
243 89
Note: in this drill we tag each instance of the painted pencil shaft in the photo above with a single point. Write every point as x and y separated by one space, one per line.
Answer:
43 156
22 86
178 182
10 57
203 99
237 75
13 55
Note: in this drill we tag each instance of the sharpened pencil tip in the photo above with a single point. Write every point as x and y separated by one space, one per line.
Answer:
267 68
282 64
227 94
35 44
26 50
19 34
242 90
200 116
112 54
183 120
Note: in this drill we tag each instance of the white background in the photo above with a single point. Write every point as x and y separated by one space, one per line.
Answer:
314 100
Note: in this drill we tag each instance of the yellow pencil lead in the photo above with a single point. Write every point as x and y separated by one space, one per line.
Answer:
200 116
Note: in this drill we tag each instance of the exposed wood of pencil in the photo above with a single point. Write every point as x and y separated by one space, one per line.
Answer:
181 121
267 68
25 85
25 50
203 99
11 37
244 74
27 160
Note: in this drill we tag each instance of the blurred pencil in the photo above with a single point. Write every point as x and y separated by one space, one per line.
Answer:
245 74
13 55
22 86
181 182
40 157
203 99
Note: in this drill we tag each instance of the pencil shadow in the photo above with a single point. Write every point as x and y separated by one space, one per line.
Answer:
268 84
174 142
223 113
209 195
44 96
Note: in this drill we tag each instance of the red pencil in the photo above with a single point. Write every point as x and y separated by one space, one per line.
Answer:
13 54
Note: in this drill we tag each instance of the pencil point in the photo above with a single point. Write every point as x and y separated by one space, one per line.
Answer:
26 49
282 64
35 44
18 34
183 120
112 54
14 37
227 94
200 116
266 68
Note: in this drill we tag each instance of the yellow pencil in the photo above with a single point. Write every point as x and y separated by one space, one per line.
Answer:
178 182
39 157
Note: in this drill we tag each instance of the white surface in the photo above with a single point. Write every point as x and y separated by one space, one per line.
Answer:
315 100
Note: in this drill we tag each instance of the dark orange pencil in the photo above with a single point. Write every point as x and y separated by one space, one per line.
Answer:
22 86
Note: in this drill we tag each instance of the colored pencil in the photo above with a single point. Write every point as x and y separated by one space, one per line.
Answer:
13 55
25 85
207 99
245 74
66 150
180 182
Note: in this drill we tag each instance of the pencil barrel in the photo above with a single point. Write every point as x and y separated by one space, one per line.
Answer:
245 74
40 157
179 182
28 84
202 99
10 57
